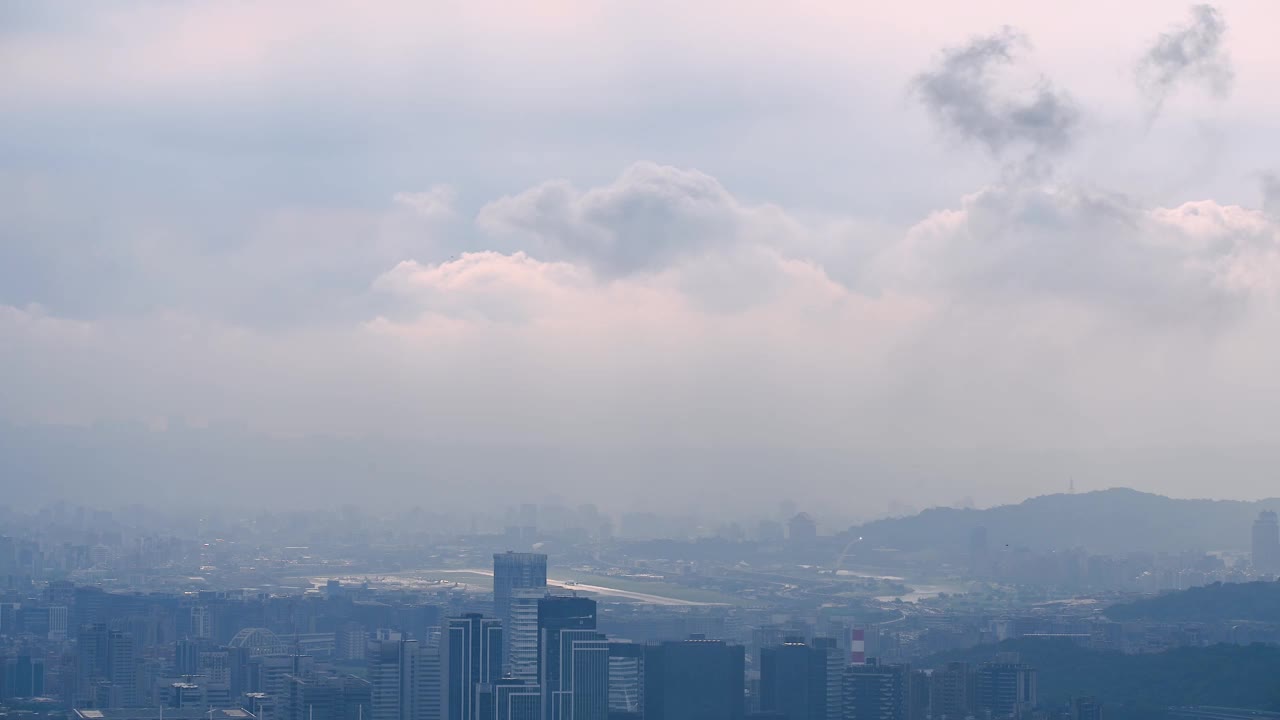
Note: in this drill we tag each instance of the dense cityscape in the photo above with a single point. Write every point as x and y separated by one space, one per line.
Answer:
639 360
343 616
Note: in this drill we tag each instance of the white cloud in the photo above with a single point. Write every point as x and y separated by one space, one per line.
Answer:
1016 243
434 204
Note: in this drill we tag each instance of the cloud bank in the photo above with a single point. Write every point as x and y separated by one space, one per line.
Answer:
536 232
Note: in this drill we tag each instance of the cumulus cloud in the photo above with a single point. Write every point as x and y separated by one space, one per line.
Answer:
1194 52
963 94
1200 264
486 286
1025 316
648 218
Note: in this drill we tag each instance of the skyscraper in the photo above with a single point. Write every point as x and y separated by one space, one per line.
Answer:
582 691
107 667
1005 688
470 656
694 679
626 677
875 692
509 699
21 677
521 634
327 697
514 571
952 691
431 700
919 706
1266 543
397 680
573 660
800 681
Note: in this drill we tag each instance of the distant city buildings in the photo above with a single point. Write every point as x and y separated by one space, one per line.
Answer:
718 625
802 528
1266 543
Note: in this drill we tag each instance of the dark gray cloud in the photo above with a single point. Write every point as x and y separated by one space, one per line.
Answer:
1190 53
963 95
651 216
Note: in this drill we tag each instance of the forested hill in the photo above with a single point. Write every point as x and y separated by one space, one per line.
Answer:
1138 687
1112 521
1255 601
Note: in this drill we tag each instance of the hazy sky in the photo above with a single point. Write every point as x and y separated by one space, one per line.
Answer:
899 230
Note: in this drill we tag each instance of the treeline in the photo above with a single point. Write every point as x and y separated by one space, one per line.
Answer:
1141 687
1255 601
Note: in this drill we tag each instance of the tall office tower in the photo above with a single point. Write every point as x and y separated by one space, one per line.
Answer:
269 673
1086 708
951 692
327 697
919 702
694 679
580 689
123 668
509 699
573 660
626 678
431 686
875 692
201 622
186 657
350 641
107 673
396 679
21 677
522 634
470 655
515 571
1005 688
1266 543
91 661
802 682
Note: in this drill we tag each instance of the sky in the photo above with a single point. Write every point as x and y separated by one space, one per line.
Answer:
649 255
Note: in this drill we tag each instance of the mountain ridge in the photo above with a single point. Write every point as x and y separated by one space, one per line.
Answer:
1112 521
